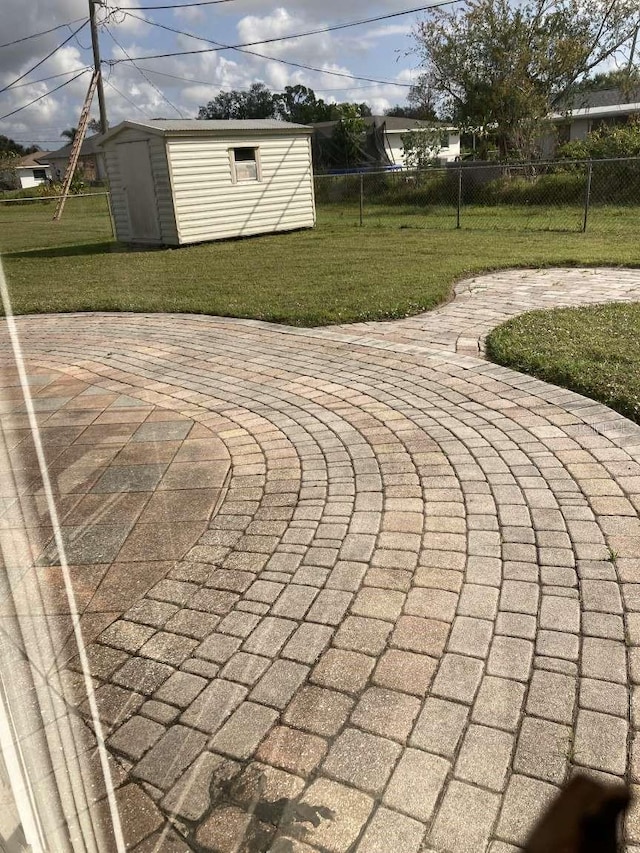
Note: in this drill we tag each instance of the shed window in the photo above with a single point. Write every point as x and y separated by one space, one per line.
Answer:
245 164
40 174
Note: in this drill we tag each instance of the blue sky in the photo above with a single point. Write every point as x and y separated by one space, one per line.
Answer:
377 50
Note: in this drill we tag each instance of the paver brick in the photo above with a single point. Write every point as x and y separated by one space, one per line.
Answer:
329 607
386 712
212 707
363 635
510 657
470 636
378 604
279 683
269 636
604 659
344 814
458 678
317 710
295 601
308 643
439 726
484 757
415 634
343 670
431 603
524 802
478 601
603 696
190 797
240 736
181 689
390 830
405 671
601 742
292 750
416 784
552 696
499 702
361 759
135 737
174 752
465 819
543 750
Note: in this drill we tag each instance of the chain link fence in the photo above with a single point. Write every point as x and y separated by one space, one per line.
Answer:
601 195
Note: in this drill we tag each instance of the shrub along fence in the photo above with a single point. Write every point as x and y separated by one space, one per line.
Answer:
558 196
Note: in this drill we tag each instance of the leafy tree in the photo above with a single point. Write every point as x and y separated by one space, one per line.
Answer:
499 68
69 133
300 105
8 145
420 147
347 135
257 102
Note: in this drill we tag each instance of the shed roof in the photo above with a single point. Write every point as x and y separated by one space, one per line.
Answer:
214 127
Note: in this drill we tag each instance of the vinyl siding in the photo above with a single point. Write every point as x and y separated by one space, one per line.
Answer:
210 206
162 185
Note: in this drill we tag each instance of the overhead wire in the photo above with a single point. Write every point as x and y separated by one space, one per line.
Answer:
315 88
137 67
42 61
127 98
178 5
329 29
41 97
52 77
289 62
42 33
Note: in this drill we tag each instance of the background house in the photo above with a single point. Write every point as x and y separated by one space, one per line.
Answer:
91 165
31 170
178 182
587 111
380 145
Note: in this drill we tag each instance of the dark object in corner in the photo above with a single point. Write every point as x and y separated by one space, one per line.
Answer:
584 818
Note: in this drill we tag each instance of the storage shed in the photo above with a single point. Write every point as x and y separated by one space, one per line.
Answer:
179 182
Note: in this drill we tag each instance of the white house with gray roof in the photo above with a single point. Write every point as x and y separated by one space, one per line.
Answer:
587 111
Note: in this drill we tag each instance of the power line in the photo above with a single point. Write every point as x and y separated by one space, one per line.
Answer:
279 38
43 33
126 98
46 95
315 88
48 56
137 67
221 46
176 5
52 77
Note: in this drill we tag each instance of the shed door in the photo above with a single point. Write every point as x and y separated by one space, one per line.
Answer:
137 183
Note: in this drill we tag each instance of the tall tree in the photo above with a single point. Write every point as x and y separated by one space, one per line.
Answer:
299 104
499 68
257 102
347 135
10 146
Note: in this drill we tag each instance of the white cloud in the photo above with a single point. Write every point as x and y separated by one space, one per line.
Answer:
347 51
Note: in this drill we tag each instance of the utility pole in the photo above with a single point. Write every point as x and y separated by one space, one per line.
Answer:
96 64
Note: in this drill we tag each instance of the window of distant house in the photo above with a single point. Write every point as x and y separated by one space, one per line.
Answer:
40 174
245 164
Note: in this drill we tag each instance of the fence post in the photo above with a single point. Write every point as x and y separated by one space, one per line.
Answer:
459 197
587 196
361 198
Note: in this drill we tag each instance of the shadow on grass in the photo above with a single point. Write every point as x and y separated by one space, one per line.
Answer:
104 247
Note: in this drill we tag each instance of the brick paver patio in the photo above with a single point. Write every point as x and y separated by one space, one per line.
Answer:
342 589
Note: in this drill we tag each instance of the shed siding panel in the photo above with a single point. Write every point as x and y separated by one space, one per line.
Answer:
210 206
159 168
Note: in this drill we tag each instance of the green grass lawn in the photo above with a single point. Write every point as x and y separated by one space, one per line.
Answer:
402 262
594 351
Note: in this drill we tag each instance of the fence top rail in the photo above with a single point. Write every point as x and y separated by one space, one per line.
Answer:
477 164
49 197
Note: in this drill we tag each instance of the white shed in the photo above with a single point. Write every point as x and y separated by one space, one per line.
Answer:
179 182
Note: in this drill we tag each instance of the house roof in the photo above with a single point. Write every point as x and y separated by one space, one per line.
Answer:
607 102
89 146
37 158
217 127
